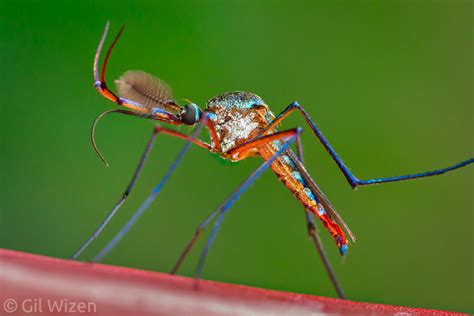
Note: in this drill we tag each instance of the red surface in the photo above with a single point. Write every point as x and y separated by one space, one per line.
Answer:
38 285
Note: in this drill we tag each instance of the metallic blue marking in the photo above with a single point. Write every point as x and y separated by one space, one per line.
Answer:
139 105
297 176
321 210
236 99
309 194
343 250
157 110
277 144
212 116
268 116
286 159
197 113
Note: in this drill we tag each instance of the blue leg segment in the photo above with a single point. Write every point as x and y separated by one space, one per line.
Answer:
224 207
122 198
353 180
152 196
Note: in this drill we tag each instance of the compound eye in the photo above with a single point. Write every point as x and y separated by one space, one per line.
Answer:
191 114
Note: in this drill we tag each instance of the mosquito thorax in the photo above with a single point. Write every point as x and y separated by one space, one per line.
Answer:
237 117
235 100
191 114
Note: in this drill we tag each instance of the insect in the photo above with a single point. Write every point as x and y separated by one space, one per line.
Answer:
240 125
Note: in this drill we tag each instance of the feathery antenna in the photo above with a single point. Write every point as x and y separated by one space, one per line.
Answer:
146 89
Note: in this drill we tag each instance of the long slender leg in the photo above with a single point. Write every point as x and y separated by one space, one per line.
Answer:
241 150
122 198
225 206
234 196
313 234
133 219
203 225
311 228
351 178
157 130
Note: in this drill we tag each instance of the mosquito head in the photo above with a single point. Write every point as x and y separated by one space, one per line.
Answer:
191 114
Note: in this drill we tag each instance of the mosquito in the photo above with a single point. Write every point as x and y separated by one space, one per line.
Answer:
240 125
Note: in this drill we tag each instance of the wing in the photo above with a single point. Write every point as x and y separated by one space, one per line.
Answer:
321 197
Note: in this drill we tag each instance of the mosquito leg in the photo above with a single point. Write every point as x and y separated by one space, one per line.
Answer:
234 196
157 130
122 198
351 178
291 134
152 196
300 149
313 234
193 240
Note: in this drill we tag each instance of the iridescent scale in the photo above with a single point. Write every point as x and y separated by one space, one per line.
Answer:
239 117
240 125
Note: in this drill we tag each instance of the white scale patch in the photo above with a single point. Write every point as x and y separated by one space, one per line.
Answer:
237 127
321 210
309 193
286 159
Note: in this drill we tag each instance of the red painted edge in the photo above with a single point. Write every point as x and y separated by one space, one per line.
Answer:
42 285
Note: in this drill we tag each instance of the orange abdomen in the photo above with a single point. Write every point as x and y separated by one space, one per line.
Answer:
286 172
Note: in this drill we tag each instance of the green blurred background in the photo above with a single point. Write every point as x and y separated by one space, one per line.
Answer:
389 84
